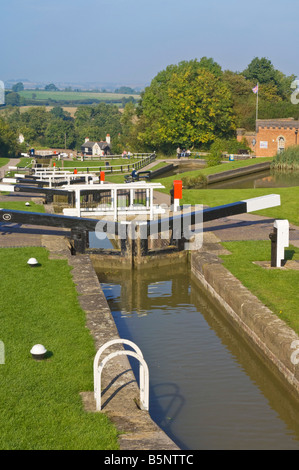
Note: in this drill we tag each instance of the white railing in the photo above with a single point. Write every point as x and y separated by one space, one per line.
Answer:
143 371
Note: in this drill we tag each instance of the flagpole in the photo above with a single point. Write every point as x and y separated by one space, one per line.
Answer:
257 102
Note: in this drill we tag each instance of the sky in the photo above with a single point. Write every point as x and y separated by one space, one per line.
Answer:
129 41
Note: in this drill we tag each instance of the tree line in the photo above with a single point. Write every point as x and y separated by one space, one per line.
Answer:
194 104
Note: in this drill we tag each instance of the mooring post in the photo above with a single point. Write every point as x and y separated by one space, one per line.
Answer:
279 241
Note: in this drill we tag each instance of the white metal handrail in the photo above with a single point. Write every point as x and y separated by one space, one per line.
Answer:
143 371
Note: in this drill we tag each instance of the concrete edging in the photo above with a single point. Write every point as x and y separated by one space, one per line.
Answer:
229 174
269 334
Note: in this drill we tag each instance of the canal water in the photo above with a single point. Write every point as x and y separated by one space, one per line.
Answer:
208 388
262 179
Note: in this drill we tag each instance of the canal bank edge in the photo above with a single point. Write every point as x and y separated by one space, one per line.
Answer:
120 391
243 171
269 335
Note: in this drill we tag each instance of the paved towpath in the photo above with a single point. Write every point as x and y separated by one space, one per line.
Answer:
5 168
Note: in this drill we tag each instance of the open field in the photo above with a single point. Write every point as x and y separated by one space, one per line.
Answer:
73 95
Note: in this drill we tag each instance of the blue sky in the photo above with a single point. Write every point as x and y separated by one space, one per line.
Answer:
129 41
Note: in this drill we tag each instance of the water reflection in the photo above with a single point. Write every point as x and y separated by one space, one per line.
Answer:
263 179
208 388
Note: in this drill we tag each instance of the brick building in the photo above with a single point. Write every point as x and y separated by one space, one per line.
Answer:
272 136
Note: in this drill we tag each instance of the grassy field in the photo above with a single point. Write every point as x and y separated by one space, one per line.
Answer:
73 95
40 402
276 288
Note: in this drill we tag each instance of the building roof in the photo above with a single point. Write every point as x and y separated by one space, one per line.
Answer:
90 144
283 122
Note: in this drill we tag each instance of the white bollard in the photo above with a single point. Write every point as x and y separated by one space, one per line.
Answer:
282 233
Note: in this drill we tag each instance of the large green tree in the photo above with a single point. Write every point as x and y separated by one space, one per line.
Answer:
95 122
186 104
8 140
274 82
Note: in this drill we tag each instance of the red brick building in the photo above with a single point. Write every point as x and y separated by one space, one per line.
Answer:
272 136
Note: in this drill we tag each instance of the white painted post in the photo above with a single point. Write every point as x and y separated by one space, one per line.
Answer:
115 203
151 203
131 197
78 202
282 227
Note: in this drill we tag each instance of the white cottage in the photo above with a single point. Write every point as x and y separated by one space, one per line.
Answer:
96 148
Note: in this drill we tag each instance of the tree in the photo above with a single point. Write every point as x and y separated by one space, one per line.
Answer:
18 87
59 112
60 133
128 137
51 87
125 90
185 105
8 140
263 72
210 65
12 98
37 119
96 122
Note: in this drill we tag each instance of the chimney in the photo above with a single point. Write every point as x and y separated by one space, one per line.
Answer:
86 139
108 138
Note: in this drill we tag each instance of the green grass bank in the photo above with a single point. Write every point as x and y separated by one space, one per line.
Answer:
40 402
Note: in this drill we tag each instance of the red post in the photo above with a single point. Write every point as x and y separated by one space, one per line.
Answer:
102 176
177 189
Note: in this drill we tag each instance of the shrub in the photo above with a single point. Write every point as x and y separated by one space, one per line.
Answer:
195 182
221 146
287 160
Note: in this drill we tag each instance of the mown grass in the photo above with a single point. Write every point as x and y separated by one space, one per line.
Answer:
20 206
288 209
276 288
40 403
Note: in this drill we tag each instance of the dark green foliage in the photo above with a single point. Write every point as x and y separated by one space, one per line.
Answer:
194 182
220 146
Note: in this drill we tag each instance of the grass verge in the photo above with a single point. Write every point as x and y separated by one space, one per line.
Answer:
20 206
276 288
3 161
40 405
289 208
